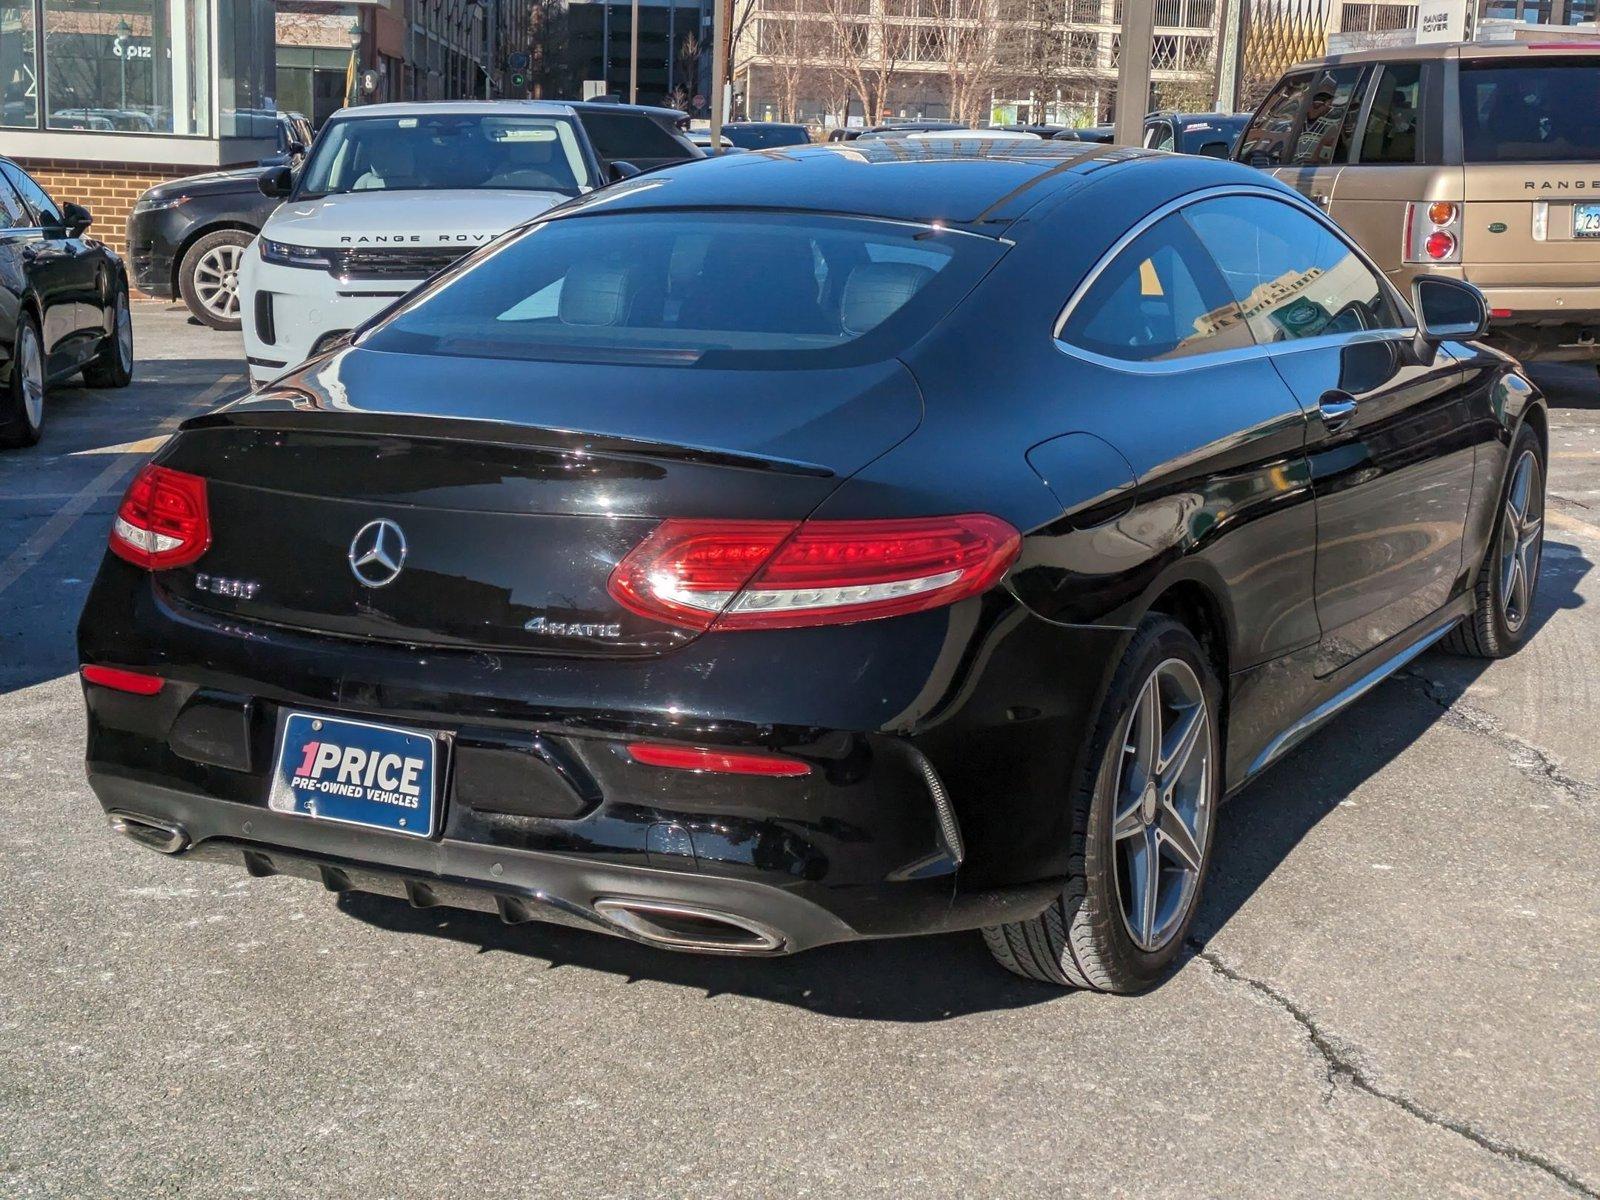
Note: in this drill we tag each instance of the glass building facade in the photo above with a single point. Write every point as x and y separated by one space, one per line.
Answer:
179 68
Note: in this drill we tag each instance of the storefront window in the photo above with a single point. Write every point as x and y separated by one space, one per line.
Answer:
128 66
19 84
245 84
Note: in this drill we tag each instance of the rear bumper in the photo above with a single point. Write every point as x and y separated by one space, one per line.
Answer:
895 831
1546 322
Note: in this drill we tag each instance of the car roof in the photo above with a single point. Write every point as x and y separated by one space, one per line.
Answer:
1469 50
453 108
603 106
763 125
977 185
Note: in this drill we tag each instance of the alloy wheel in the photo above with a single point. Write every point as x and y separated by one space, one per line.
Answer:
216 280
30 361
1162 796
124 321
1521 540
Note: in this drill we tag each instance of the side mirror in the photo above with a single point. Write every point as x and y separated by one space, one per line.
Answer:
623 170
76 219
273 160
1448 309
277 182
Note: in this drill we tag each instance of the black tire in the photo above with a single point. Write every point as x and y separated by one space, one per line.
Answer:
1083 939
19 426
1496 628
202 256
112 367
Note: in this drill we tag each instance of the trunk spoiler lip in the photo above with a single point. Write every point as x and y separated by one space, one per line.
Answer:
282 413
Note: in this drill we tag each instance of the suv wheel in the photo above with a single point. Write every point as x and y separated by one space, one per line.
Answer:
208 277
1142 826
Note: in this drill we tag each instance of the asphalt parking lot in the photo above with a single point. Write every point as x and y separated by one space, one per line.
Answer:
1394 988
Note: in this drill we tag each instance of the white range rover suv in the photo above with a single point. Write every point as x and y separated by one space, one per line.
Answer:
390 194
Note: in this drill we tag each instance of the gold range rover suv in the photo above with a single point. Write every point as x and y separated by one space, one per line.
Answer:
1478 161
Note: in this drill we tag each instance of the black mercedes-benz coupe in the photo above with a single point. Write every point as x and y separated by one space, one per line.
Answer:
63 305
818 544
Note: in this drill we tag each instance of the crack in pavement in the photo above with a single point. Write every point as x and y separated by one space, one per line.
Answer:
1341 1063
1530 760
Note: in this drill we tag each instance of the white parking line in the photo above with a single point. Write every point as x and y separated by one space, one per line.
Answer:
31 551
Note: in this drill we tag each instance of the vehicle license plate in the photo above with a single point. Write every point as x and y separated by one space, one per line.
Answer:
1586 220
357 773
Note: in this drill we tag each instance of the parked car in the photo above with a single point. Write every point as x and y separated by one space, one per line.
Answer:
63 305
637 135
799 551
186 237
764 135
390 194
1476 162
971 135
1099 134
899 129
1212 134
702 139
1040 130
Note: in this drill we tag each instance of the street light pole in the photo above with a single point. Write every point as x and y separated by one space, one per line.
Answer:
719 24
633 57
1133 72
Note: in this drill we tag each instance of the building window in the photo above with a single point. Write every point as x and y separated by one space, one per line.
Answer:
19 82
129 66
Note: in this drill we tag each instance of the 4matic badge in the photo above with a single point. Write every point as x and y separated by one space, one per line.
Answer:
573 628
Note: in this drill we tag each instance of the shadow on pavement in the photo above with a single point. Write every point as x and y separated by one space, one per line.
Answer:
952 975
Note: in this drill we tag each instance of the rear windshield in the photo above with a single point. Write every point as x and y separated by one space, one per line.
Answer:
723 289
759 137
1521 111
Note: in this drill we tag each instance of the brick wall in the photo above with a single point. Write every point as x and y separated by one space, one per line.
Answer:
107 190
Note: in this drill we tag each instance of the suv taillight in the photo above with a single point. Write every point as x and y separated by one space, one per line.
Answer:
1433 232
786 574
163 520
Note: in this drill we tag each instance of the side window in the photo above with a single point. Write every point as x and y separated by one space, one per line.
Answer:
1391 132
1291 275
1325 134
44 208
1159 299
1266 141
13 215
628 135
1159 136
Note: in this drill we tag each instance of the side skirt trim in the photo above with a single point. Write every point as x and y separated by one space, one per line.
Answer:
1301 729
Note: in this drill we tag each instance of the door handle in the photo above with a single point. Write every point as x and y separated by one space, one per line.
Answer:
1336 408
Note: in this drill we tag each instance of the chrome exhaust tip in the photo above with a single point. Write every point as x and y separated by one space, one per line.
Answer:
688 927
164 836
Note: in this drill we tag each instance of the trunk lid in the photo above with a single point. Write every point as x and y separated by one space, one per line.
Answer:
514 488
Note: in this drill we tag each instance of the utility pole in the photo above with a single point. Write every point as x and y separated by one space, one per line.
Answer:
721 31
1235 18
633 58
1133 73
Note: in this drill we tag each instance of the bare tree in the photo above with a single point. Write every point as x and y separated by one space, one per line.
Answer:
1042 57
972 43
870 43
792 40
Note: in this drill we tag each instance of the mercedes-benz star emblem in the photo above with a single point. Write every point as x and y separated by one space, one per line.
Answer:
377 553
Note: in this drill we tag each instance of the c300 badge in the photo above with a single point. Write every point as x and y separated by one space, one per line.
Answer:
236 589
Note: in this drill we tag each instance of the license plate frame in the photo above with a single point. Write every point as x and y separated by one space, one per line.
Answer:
1586 221
339 789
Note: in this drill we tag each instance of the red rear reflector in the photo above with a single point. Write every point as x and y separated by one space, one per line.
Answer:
163 520
1500 314
783 575
722 762
1440 245
136 682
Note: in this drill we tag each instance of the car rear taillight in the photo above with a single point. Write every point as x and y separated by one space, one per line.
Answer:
786 574
717 762
136 683
163 520
1433 232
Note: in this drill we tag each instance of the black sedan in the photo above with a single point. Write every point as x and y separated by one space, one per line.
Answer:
63 305
817 545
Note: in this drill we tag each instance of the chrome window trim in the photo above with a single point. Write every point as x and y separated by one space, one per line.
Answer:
1211 358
